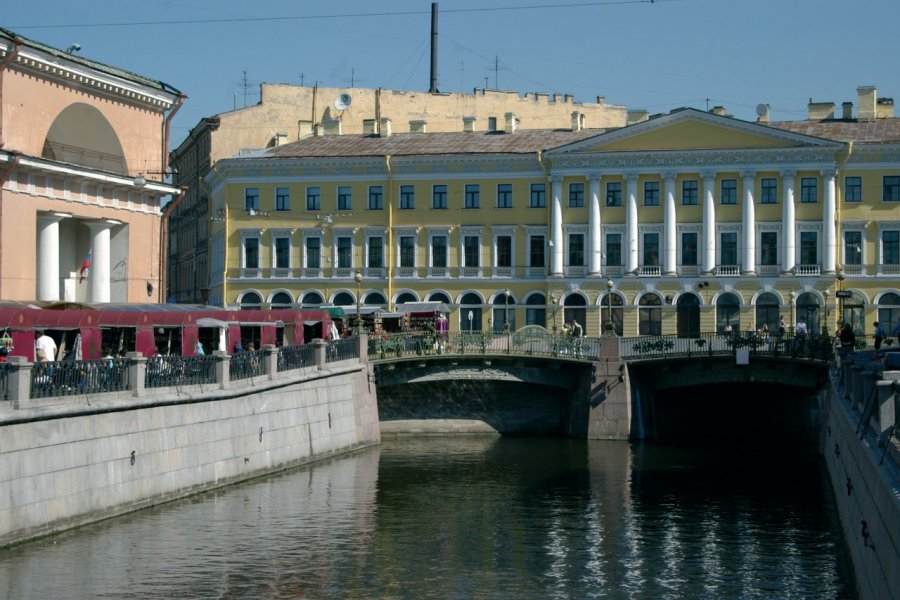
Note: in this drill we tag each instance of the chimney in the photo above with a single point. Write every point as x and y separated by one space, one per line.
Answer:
847 110
281 138
865 103
417 126
332 126
468 123
718 110
385 127
884 108
577 121
369 127
511 123
820 111
304 129
637 116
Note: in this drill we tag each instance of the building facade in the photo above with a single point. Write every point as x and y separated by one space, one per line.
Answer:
82 150
288 113
683 223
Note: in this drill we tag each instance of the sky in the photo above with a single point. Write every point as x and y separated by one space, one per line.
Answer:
648 55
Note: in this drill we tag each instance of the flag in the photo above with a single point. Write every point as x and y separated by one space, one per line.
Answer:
85 265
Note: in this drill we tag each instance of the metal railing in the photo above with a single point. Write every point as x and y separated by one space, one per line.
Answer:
164 371
71 378
4 381
520 343
295 357
811 347
245 365
343 349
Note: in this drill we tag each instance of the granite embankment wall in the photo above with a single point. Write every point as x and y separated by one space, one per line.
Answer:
84 459
862 455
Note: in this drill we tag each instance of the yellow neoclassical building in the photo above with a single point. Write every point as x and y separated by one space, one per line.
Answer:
683 223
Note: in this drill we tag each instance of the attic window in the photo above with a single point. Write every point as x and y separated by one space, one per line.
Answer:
492 123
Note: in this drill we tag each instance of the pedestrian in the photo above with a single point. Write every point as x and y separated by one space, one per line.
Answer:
879 335
45 342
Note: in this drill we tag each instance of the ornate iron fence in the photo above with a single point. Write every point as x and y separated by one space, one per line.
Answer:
810 347
4 381
165 371
71 378
343 349
245 365
296 357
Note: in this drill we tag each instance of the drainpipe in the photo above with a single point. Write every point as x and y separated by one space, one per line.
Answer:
166 126
838 199
390 203
16 156
164 240
3 67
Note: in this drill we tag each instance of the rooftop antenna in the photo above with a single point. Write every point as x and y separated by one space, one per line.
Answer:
433 88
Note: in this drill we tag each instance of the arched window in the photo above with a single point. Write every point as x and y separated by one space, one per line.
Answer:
649 315
313 299
808 310
375 298
574 309
768 309
251 300
889 312
281 300
439 297
854 312
344 299
687 313
504 313
470 312
618 313
535 311
728 312
406 297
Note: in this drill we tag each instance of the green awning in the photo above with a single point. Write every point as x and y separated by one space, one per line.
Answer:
333 311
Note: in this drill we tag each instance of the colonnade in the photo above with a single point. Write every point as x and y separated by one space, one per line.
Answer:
48 258
669 240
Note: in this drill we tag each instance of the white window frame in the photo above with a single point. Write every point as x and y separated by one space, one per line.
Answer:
369 233
768 270
434 232
306 234
247 234
401 232
737 229
336 234
803 226
858 226
643 230
883 269
276 234
465 270
496 232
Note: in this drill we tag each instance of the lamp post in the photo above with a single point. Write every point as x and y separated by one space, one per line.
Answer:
554 300
358 278
793 328
840 286
506 312
610 327
826 326
471 316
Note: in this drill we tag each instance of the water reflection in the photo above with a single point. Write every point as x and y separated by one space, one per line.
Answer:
470 517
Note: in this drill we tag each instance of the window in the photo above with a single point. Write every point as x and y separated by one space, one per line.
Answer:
729 191
614 250
853 189
345 252
689 249
576 249
768 187
282 253
853 247
576 195
504 195
439 251
492 123
809 190
650 315
651 193
407 251
538 196
407 197
891 188
282 198
251 253
473 191
251 199
313 253
614 193
729 249
376 197
504 251
809 248
689 191
890 247
651 250
376 252
536 256
344 198
439 196
471 252
768 248
313 198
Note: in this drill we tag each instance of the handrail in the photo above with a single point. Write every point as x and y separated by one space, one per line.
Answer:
811 347
460 343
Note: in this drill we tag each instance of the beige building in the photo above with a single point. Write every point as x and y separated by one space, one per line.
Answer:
287 113
83 147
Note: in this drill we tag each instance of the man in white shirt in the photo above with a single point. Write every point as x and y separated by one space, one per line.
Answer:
45 342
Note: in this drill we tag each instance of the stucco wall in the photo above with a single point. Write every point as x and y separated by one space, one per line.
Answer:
106 459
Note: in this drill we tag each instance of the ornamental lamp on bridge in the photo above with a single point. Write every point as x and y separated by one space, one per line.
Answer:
609 327
554 300
792 296
358 278
841 276
506 311
827 324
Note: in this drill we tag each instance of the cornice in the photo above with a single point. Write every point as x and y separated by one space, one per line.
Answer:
875 153
737 159
75 75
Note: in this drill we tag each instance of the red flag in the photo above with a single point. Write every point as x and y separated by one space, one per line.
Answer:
85 265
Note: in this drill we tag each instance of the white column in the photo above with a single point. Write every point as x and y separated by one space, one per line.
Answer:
787 221
709 222
749 223
829 232
48 257
556 229
631 224
595 263
99 274
670 252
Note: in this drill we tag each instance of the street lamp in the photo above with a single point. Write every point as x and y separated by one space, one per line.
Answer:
826 325
358 278
610 328
793 295
506 312
471 316
554 300
840 285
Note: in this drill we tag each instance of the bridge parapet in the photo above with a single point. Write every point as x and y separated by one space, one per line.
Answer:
816 347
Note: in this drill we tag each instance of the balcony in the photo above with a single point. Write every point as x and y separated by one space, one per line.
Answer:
768 270
376 272
438 271
535 272
613 271
807 271
470 272
689 271
728 271
311 273
84 157
407 272
649 271
503 272
578 271
890 270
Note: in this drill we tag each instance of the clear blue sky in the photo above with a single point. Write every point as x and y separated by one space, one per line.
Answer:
645 55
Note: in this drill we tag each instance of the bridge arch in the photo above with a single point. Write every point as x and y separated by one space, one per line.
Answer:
81 135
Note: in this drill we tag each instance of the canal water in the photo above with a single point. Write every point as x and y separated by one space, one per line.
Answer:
473 517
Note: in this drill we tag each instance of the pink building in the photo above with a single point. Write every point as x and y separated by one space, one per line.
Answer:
83 153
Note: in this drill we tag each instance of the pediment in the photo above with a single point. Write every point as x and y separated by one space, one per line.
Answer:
693 130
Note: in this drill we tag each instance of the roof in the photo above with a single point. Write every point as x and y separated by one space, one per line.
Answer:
523 141
92 64
879 130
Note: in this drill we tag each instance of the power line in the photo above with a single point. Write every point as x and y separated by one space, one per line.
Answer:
338 16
